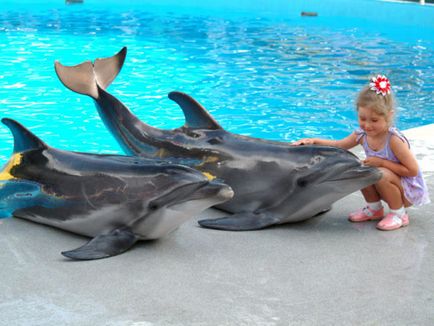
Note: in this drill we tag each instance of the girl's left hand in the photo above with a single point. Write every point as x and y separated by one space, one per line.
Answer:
373 161
304 141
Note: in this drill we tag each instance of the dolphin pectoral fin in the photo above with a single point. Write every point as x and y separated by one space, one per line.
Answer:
196 116
104 245
246 221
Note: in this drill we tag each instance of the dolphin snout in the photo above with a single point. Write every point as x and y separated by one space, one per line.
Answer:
226 193
223 191
374 172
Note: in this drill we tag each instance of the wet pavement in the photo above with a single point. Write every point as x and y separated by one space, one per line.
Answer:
325 271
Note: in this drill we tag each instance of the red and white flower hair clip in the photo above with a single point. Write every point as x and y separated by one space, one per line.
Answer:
380 84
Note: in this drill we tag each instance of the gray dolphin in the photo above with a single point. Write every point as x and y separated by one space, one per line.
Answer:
116 200
274 182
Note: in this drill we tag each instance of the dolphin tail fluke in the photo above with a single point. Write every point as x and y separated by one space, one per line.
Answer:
104 245
24 139
86 77
106 69
79 79
240 222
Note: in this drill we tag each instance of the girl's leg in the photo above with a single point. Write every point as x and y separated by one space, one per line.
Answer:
371 194
390 190
373 211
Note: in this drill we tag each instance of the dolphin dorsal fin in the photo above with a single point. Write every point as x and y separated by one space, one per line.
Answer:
24 140
196 116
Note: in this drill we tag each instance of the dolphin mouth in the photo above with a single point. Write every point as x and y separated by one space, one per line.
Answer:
363 171
218 191
215 188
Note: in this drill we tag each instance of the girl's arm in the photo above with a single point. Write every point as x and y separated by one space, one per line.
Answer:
407 167
346 143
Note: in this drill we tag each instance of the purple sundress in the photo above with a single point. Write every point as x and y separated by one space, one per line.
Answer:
415 189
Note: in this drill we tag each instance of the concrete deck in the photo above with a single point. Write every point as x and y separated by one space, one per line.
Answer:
326 271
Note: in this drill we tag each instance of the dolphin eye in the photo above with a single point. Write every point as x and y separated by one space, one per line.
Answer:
302 183
153 206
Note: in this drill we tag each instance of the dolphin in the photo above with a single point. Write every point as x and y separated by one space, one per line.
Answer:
115 200
274 182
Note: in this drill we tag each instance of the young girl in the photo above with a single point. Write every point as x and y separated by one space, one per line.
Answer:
402 184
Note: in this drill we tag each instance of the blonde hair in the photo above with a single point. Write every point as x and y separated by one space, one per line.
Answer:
381 104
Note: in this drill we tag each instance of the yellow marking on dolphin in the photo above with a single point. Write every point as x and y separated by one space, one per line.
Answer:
209 176
161 153
211 159
207 159
14 161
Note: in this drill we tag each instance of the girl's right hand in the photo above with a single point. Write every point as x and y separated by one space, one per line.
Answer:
304 141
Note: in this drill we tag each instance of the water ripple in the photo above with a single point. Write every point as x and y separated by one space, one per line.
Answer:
276 80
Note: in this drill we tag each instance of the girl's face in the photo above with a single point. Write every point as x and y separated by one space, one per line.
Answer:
371 122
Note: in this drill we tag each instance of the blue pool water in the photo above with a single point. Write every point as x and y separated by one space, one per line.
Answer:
261 70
